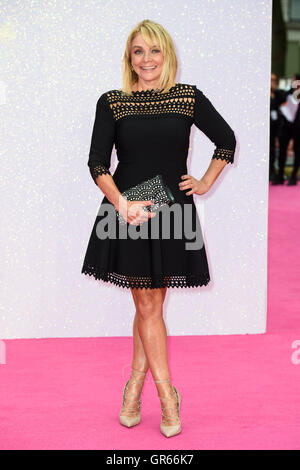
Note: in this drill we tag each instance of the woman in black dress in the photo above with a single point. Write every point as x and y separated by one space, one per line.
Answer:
149 122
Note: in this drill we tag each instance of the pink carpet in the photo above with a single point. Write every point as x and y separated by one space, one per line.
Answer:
238 391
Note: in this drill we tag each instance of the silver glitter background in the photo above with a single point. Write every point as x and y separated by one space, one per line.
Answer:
57 57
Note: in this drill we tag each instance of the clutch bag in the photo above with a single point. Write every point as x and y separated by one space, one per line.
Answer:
153 189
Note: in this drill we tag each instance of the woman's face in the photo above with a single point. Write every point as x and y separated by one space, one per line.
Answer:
146 61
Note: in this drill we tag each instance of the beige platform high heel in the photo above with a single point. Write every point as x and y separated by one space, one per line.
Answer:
167 429
131 416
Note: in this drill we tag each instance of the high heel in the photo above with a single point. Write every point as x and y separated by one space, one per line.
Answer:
134 417
169 430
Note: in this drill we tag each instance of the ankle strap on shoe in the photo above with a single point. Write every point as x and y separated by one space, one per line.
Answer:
142 371
133 379
162 380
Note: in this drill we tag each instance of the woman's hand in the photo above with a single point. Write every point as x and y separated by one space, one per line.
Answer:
133 213
197 186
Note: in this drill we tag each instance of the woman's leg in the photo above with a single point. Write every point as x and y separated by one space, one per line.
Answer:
139 360
139 363
153 336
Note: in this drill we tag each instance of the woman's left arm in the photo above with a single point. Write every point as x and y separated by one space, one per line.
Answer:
214 126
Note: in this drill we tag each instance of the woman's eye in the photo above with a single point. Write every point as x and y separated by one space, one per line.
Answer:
154 50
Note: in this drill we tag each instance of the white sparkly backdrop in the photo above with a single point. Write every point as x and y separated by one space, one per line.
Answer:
56 60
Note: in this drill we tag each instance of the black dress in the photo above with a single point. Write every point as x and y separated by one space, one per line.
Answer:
151 131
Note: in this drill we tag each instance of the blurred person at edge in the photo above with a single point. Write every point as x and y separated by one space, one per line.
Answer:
287 131
277 97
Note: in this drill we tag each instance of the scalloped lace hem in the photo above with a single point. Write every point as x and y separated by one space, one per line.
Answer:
154 282
224 154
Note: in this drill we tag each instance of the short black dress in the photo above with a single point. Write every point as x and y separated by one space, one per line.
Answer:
151 130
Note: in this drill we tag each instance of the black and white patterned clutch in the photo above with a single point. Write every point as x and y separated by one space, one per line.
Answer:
153 189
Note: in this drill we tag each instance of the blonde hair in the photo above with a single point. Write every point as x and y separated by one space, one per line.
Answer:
150 32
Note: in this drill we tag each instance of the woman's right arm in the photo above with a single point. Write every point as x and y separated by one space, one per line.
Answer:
102 141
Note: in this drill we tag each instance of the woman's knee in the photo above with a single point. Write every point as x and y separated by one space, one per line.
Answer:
149 302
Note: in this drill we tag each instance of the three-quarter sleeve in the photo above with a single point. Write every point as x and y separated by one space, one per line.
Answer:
214 126
102 141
